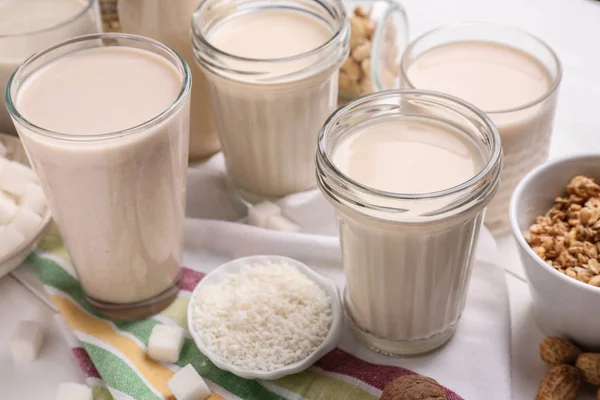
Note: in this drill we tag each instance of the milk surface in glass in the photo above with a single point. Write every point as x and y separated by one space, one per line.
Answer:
27 26
112 162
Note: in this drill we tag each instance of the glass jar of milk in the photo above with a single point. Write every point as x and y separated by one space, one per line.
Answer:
509 74
272 70
28 26
410 173
169 22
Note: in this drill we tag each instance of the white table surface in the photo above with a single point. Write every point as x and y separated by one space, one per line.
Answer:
571 27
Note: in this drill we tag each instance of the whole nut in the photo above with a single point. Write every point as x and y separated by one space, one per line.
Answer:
560 383
351 68
347 84
362 52
413 387
555 350
589 365
358 31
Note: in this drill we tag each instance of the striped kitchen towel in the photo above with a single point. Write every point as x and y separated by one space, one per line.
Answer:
112 354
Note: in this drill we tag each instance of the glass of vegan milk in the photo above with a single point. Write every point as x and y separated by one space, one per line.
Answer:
410 173
105 121
169 22
509 74
28 26
272 71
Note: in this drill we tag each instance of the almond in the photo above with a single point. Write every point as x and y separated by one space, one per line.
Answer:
589 365
555 350
560 383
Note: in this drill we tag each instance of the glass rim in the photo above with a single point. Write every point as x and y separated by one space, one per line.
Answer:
555 80
489 166
196 34
135 130
88 4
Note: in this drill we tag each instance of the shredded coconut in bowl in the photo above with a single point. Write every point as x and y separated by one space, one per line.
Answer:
265 317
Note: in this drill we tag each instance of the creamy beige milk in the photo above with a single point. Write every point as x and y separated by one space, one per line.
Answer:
406 279
169 22
408 157
496 78
269 129
119 202
19 19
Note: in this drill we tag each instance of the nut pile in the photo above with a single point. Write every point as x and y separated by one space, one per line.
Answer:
413 387
569 366
355 73
568 236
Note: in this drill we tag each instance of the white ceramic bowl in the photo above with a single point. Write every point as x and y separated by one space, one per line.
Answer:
330 342
562 306
19 254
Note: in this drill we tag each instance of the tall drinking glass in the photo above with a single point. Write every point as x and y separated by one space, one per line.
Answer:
409 173
104 120
270 100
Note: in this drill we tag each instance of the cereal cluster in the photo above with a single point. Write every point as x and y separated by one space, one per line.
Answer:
568 236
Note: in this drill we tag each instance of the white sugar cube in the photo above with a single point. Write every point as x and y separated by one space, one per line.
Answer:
34 198
26 341
281 223
74 391
8 209
10 238
259 214
187 384
3 150
27 222
165 343
15 177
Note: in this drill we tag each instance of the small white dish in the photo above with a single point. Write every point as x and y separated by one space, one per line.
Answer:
562 306
330 342
19 254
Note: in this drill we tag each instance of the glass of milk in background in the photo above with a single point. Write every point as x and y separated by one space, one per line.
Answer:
112 161
272 71
169 22
409 173
28 26
509 74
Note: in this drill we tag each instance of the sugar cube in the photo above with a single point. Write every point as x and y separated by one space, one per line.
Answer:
3 150
187 384
10 238
8 209
259 214
27 222
34 198
15 177
281 223
26 341
165 343
74 391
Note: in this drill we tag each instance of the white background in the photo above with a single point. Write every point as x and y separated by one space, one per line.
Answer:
571 27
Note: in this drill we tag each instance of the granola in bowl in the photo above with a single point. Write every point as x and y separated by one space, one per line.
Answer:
567 237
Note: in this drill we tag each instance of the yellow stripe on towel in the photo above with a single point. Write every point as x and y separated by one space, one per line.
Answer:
155 373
